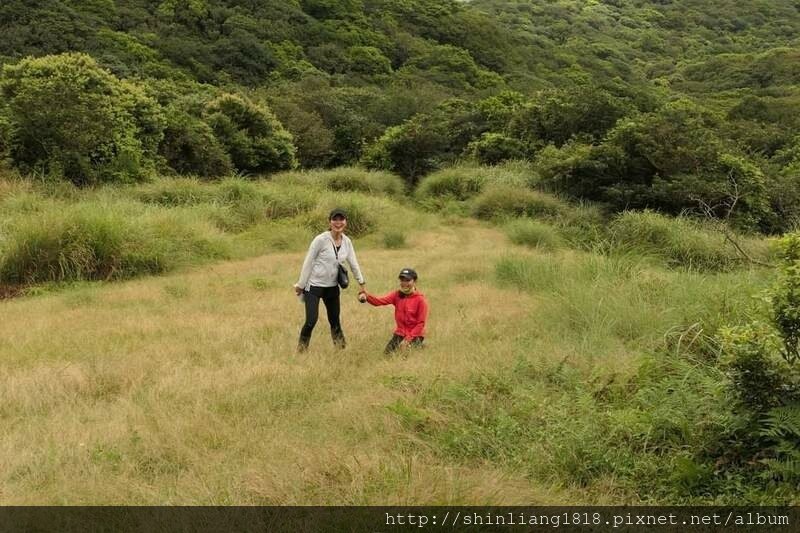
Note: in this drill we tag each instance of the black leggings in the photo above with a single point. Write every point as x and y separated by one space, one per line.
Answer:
394 343
311 298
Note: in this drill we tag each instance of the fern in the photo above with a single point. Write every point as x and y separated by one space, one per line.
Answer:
783 423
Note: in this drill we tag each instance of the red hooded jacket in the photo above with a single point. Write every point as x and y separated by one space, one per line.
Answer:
410 312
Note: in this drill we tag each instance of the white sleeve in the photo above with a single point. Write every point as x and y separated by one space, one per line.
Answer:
353 262
308 263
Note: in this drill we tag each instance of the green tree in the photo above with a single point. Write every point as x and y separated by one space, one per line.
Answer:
412 149
255 140
190 146
557 116
493 148
70 118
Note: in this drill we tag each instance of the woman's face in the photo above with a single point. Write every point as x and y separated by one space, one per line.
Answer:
338 223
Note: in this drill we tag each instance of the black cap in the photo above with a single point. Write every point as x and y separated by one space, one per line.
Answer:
409 273
337 212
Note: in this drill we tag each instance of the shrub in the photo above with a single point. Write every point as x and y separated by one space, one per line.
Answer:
506 200
394 240
254 139
786 297
70 118
190 146
410 149
761 360
493 148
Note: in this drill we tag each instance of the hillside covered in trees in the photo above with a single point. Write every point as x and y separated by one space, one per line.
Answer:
673 105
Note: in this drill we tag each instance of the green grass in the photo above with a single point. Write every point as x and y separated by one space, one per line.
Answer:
346 179
573 364
678 241
463 182
88 241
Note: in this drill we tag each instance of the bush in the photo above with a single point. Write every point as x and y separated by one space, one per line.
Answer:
411 149
506 200
493 148
190 147
70 118
254 139
533 233
761 360
394 240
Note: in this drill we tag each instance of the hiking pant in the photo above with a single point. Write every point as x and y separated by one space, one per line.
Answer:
394 343
311 298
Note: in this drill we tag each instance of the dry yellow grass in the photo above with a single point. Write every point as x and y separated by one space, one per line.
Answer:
185 389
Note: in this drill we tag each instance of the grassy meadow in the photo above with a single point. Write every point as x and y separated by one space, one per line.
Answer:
147 347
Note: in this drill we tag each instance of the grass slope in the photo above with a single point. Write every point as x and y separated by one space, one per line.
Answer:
185 388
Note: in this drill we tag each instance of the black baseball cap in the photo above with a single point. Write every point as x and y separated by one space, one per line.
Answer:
337 212
408 273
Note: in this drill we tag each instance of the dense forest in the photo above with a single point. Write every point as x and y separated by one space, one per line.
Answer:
630 103
673 105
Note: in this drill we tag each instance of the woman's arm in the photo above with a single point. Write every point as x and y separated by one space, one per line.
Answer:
308 263
354 266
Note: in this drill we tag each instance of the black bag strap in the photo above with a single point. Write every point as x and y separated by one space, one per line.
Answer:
335 249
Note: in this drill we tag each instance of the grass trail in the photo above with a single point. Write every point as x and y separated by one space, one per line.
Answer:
185 389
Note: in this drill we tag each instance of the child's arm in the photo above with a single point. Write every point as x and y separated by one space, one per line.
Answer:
390 298
419 328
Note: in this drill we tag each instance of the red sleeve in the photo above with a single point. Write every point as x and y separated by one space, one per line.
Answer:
422 317
390 298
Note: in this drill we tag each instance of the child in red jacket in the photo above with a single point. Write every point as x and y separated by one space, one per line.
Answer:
410 311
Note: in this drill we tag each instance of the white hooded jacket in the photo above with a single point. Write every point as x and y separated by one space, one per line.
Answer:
320 266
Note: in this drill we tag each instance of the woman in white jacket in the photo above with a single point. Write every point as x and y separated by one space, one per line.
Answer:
318 277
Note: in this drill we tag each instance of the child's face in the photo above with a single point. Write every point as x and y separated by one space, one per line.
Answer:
407 283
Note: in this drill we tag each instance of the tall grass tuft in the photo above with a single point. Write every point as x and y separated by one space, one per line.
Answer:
233 204
679 242
94 241
346 179
462 182
365 214
533 233
509 201
172 192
